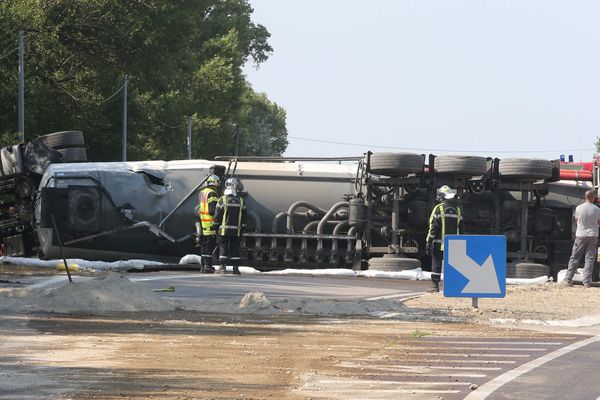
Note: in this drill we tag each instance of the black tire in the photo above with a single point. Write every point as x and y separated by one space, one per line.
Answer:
525 169
393 263
73 154
62 140
524 270
396 164
461 165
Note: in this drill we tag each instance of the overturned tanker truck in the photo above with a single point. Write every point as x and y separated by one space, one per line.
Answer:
369 211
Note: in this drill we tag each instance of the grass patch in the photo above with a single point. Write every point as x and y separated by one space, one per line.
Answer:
419 333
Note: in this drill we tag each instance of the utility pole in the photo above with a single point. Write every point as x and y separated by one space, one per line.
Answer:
189 138
237 139
21 104
124 149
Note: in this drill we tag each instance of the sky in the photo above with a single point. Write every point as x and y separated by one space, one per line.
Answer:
495 78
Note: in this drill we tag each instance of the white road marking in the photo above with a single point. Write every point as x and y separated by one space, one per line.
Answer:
394 296
481 348
467 368
164 278
499 342
437 360
360 395
413 368
471 355
417 372
362 382
488 388
464 361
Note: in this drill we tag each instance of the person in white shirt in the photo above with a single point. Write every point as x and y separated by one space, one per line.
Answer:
587 217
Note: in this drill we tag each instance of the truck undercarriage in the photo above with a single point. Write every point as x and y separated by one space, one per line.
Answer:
360 212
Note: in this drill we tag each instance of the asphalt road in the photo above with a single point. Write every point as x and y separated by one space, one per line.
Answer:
573 375
539 366
198 285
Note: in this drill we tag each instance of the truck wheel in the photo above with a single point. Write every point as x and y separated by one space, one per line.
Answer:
73 154
62 140
525 169
393 263
525 270
396 164
461 165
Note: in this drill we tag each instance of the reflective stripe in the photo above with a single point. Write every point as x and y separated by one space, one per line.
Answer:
431 218
226 205
435 215
206 218
450 216
236 258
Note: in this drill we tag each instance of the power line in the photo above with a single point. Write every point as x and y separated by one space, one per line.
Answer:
434 150
9 53
112 95
171 126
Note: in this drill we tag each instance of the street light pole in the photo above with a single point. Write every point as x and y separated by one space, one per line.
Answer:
189 138
21 104
124 149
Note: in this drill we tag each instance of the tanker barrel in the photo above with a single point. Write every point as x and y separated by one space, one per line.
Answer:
256 219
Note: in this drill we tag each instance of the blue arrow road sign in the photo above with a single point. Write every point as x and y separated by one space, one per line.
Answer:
474 266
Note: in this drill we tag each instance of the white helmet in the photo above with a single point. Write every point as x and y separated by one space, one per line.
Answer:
231 185
446 193
213 180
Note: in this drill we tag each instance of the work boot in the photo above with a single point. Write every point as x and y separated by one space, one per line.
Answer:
236 271
221 271
435 287
566 282
587 285
209 269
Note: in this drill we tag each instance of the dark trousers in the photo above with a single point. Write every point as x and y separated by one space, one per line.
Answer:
437 261
229 248
209 243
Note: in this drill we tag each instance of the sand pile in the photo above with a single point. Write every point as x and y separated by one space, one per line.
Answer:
258 303
255 302
111 292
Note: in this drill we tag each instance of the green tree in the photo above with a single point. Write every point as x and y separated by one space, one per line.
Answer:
183 58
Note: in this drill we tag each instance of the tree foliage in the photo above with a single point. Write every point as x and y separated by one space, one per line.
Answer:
183 58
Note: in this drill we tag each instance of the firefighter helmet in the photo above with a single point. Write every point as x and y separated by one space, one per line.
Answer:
231 185
212 180
446 193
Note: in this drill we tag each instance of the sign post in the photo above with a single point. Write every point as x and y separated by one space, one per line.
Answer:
475 266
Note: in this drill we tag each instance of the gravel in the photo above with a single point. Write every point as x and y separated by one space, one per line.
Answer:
545 302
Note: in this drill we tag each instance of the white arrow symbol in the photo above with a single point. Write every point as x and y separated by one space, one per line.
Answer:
482 278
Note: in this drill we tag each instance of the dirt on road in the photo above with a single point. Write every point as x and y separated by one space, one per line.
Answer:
105 353
184 355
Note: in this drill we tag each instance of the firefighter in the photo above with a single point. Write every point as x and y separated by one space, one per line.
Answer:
207 205
445 219
230 221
